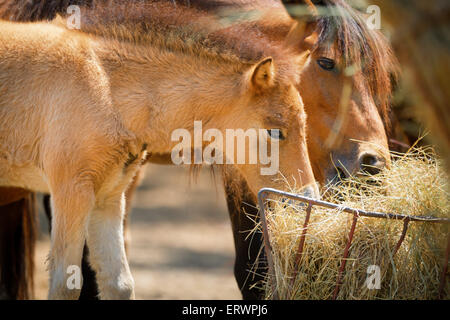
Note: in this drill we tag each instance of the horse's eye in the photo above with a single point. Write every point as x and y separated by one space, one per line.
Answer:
276 134
326 64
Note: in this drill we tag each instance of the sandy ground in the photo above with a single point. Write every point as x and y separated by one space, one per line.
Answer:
181 242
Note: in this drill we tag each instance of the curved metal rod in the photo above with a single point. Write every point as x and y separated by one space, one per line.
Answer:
262 197
267 247
345 256
351 210
402 237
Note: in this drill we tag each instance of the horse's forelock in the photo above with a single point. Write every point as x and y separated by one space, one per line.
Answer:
344 32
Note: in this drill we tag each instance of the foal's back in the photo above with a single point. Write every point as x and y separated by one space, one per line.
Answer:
37 60
44 69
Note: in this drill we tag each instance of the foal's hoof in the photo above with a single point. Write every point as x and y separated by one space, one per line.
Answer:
122 291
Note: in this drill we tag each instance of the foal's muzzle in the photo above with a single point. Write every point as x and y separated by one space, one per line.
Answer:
310 191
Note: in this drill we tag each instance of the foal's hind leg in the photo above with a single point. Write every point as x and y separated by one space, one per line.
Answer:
107 251
89 289
70 207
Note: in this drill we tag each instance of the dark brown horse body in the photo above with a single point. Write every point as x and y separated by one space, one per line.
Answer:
18 236
332 40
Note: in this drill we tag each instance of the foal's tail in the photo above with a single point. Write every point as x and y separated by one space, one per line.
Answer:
18 229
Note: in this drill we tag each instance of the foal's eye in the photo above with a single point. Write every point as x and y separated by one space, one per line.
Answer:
326 64
276 134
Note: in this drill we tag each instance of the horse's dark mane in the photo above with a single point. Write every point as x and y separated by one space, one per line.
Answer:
36 10
162 23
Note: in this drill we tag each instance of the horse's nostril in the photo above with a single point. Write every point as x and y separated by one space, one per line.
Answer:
368 160
371 164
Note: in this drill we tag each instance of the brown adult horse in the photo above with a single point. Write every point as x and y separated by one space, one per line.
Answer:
347 88
336 41
18 223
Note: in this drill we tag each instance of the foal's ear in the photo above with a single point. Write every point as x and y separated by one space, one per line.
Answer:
263 74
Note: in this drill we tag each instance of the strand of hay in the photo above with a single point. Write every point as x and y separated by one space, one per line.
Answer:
414 185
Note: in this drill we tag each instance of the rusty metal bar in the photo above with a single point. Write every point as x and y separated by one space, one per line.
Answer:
444 269
344 258
298 257
262 195
351 210
402 237
303 236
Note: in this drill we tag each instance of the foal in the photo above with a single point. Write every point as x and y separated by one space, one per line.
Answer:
80 111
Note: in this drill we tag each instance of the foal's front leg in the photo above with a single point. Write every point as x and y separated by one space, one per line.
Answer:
107 250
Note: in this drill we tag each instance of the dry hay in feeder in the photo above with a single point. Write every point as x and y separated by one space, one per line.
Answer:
415 184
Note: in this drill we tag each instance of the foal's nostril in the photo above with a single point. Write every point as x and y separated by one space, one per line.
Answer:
371 164
340 173
337 175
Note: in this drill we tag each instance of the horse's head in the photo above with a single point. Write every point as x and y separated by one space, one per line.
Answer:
346 130
345 88
271 103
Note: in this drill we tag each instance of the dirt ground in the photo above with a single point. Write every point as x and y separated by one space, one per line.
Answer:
181 245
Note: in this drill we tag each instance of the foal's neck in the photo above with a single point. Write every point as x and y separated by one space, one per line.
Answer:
157 91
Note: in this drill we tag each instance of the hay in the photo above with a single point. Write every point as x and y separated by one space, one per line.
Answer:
414 185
